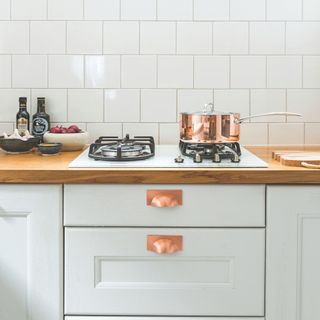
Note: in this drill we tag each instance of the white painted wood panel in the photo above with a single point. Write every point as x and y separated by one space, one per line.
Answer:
158 318
220 272
30 252
293 255
125 205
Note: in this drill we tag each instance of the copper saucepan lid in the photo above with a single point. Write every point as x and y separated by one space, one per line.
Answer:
209 110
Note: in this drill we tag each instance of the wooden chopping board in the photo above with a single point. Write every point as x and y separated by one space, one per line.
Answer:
297 158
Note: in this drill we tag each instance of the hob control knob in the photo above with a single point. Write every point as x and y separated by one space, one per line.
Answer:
197 158
179 159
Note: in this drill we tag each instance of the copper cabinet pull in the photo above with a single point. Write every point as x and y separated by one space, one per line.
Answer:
164 198
164 244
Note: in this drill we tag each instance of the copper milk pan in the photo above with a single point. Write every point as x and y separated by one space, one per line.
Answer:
210 126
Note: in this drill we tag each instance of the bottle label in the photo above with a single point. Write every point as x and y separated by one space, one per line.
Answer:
39 126
22 126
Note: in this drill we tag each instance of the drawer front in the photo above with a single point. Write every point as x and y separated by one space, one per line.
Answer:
193 206
215 272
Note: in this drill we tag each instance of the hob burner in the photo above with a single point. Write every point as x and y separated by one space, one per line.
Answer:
110 148
211 151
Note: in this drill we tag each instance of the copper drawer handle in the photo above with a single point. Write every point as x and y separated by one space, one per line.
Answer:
164 198
164 244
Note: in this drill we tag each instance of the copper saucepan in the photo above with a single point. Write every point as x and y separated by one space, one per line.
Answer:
210 126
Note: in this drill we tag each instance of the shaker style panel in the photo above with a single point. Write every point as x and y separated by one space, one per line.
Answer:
293 255
165 205
157 318
31 252
164 272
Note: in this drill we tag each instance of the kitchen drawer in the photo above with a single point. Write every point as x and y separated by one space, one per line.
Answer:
218 272
202 205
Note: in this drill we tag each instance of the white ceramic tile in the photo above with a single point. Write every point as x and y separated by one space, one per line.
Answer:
175 9
305 102
9 105
5 71
311 72
311 9
5 9
247 9
254 134
286 133
138 71
29 9
158 105
142 129
97 130
84 37
6 128
157 37
194 38
14 37
230 37
267 37
270 100
138 9
122 105
102 9
102 71
29 71
65 9
284 9
211 72
66 71
56 103
248 72
312 133
47 37
232 101
121 37
85 105
211 9
284 72
169 133
175 72
193 100
303 37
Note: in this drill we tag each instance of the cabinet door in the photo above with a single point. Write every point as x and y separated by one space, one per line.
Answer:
30 252
293 253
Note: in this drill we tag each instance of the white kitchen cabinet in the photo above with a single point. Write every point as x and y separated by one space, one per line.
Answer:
30 252
218 272
293 253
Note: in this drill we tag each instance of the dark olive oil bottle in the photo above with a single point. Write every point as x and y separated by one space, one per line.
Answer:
23 117
40 120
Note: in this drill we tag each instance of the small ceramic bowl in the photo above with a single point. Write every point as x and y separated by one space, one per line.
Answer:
70 141
50 149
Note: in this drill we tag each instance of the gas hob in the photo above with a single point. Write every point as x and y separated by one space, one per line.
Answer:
165 156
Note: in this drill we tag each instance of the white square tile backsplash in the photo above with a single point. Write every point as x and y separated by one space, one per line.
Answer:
130 66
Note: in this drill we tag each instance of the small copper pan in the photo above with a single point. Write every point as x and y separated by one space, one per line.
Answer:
210 126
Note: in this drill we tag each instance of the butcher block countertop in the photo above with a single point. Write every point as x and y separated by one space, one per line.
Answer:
35 169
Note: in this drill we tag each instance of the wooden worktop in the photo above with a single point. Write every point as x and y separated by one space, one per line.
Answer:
33 168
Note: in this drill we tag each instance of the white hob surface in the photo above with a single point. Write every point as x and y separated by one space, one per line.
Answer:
164 158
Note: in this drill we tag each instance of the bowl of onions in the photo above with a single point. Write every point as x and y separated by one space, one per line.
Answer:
72 138
15 143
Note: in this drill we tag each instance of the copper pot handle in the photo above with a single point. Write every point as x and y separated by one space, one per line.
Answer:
164 244
310 165
164 198
289 114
